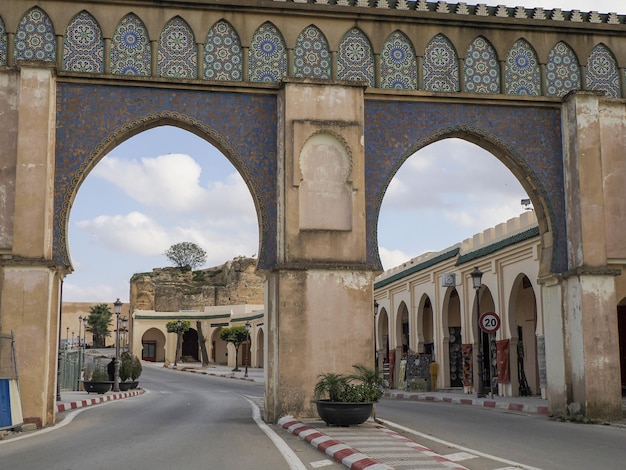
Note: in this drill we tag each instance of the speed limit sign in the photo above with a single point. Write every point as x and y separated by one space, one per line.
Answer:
489 322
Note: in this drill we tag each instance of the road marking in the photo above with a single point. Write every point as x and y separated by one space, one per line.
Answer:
289 455
460 456
321 463
455 446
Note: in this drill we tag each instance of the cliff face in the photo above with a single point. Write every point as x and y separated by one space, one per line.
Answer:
174 289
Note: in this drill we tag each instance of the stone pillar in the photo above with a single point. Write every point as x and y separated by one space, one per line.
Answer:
320 294
30 283
590 319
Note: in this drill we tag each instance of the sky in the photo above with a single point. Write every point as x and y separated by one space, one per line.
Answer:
166 186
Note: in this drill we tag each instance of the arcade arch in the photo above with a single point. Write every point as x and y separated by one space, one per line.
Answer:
153 345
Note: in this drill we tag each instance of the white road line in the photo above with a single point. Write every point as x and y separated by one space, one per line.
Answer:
292 459
455 446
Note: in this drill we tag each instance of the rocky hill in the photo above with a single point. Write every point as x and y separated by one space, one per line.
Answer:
174 289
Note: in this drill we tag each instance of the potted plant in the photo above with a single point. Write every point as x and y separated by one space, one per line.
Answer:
98 382
345 400
135 371
126 366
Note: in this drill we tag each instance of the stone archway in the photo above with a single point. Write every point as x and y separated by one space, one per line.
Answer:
525 378
153 345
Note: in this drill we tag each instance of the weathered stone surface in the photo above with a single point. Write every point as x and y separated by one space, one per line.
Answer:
173 289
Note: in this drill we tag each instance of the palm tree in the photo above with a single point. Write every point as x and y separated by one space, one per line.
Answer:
98 323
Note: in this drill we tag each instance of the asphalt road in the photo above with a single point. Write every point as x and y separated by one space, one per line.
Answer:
184 421
496 439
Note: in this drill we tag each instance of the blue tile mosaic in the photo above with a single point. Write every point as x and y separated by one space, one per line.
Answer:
34 38
355 59
482 71
533 144
311 55
398 64
522 75
562 71
92 119
602 73
440 66
130 48
223 56
3 44
83 46
268 55
177 55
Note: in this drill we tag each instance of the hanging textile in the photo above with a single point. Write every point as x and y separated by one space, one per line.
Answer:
502 347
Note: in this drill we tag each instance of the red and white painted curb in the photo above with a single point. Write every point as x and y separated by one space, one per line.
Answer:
96 401
348 456
502 405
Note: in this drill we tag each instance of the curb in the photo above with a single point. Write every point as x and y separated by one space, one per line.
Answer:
538 409
342 453
95 401
203 372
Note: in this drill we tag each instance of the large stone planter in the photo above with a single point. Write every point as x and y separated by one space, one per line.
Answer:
97 387
336 413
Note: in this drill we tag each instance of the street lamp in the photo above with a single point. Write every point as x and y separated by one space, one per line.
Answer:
84 332
248 326
117 305
67 337
124 323
477 277
375 347
80 324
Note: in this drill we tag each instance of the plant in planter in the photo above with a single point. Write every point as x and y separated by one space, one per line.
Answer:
345 400
98 382
135 371
126 367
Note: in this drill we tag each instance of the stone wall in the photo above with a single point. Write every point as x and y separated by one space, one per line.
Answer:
174 289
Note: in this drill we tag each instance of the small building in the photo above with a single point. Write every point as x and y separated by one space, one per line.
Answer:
152 342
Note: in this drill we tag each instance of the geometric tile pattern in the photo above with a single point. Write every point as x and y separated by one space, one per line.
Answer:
177 55
311 55
534 144
398 64
83 46
355 60
482 72
92 118
562 71
130 48
441 66
34 38
602 73
521 74
223 59
268 55
3 44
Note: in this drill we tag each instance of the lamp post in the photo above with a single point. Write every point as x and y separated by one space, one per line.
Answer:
84 332
248 326
67 337
72 340
477 277
80 325
117 305
375 347
124 323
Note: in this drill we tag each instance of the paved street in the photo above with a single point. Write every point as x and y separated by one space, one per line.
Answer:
201 419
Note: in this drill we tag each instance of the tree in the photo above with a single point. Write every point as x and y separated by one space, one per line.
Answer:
98 323
186 254
202 341
235 335
179 327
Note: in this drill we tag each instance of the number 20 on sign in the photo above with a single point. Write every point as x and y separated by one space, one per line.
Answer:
489 322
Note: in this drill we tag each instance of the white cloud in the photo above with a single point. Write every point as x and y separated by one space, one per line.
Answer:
131 233
391 258
169 182
95 293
